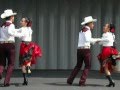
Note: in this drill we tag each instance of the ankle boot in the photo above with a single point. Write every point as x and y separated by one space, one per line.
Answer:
25 82
111 82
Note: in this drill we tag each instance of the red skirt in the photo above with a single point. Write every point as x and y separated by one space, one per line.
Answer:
105 53
36 52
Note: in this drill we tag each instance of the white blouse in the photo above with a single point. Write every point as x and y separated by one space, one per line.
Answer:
24 33
107 39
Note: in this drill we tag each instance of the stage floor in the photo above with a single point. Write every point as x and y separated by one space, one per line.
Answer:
56 80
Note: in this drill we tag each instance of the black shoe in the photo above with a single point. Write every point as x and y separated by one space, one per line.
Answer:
69 82
112 84
6 85
25 83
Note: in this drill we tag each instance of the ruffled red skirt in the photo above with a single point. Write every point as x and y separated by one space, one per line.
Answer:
105 53
36 52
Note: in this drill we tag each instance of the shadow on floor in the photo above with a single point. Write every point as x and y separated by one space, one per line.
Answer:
75 84
13 84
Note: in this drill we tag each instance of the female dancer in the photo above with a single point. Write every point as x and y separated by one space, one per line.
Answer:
28 50
108 50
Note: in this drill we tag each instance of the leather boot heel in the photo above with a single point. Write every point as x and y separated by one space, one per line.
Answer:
25 83
112 84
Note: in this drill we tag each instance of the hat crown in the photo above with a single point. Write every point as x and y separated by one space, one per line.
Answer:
7 13
89 18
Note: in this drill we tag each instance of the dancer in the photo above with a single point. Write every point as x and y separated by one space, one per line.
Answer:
28 50
7 45
107 62
83 51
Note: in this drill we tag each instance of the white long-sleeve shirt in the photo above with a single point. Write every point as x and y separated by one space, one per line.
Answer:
7 32
107 39
85 38
24 33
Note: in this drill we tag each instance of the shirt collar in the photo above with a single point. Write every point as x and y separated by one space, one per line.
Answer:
9 21
87 27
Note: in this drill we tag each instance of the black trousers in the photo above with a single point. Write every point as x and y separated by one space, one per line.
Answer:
83 56
7 54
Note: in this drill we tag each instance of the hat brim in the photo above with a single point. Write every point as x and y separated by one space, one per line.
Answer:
4 16
94 20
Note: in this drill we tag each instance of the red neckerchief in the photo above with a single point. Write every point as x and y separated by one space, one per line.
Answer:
6 24
84 29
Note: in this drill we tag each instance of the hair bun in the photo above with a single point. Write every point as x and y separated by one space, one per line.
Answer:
29 24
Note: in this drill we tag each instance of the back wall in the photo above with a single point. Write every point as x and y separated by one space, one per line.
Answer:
56 24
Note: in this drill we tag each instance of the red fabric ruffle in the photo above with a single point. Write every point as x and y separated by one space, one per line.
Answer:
105 53
37 51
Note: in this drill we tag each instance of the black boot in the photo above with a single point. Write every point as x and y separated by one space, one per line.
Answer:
111 82
25 79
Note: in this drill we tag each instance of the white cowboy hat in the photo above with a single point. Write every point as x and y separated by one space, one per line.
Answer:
88 20
7 13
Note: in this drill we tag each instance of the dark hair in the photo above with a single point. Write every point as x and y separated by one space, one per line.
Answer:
87 23
29 22
112 28
8 18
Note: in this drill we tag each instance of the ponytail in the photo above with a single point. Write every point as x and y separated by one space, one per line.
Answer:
112 28
29 22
